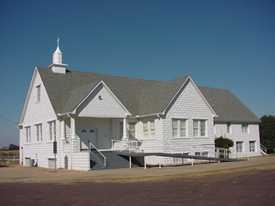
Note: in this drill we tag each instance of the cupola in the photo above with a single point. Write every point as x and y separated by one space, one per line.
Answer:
57 66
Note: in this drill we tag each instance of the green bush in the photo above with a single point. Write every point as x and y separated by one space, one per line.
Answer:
224 143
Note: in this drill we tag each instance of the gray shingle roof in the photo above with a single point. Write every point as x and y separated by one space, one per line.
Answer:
228 107
139 96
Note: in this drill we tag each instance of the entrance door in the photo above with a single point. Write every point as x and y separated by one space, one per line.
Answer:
88 135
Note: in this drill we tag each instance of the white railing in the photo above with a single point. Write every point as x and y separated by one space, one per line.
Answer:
92 146
126 144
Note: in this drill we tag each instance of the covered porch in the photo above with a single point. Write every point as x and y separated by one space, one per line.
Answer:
103 134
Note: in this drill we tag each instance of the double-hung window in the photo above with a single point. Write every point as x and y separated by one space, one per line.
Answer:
252 145
174 128
152 128
28 134
38 132
132 130
182 123
145 129
203 128
239 146
149 129
196 128
179 128
52 130
199 128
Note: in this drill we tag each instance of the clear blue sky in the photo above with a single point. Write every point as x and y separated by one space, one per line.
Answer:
228 44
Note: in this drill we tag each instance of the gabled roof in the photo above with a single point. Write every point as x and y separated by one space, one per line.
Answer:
139 96
228 107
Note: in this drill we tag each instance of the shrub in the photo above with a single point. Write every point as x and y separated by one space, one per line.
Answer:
224 143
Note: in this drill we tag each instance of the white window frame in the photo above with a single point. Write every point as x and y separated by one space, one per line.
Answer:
199 133
132 129
237 148
254 146
38 93
205 127
152 128
52 130
175 128
145 129
177 131
28 134
39 134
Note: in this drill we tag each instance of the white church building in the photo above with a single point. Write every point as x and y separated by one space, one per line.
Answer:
94 117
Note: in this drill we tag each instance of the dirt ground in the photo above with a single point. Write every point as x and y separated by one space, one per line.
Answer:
240 183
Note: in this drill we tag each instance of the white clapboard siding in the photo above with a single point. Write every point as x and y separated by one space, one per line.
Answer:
81 161
189 105
237 135
37 113
102 104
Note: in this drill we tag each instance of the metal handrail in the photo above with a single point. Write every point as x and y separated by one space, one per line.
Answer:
263 148
101 154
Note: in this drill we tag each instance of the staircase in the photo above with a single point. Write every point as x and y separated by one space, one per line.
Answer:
114 160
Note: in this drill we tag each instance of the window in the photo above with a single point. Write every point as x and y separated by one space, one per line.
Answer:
152 128
244 128
252 146
197 154
38 93
199 128
179 128
182 127
204 154
52 130
28 134
145 129
228 128
174 128
203 127
38 132
195 128
132 130
239 146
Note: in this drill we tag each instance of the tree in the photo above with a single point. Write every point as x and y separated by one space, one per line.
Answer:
223 143
267 132
13 147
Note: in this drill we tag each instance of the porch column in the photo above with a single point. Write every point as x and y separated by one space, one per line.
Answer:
62 129
73 127
125 135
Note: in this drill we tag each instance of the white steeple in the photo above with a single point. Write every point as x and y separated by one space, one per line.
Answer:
57 55
57 66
